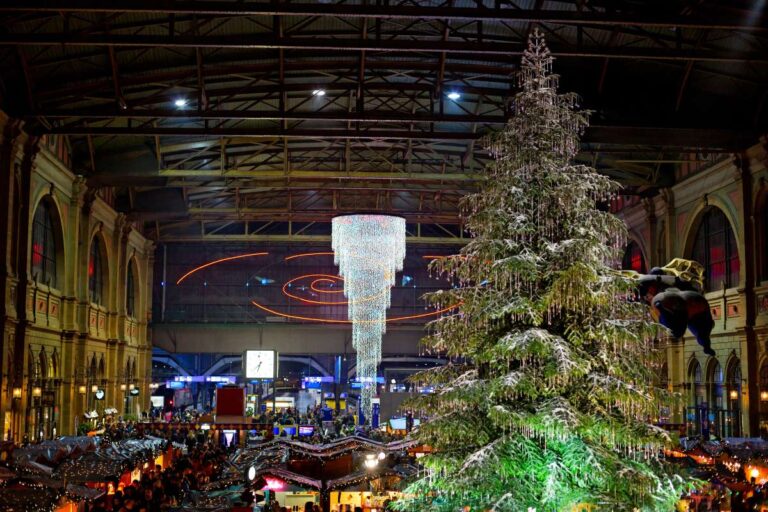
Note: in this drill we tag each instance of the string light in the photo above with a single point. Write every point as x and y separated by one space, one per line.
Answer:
332 321
216 262
307 255
369 250
323 278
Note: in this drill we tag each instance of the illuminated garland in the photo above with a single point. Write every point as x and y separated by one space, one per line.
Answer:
369 250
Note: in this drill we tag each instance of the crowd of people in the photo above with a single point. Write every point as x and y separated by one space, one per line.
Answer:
159 489
716 498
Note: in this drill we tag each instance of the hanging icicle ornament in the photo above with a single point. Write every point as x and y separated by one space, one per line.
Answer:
369 250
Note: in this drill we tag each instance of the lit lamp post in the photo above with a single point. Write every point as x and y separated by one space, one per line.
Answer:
128 388
735 425
15 406
85 379
37 393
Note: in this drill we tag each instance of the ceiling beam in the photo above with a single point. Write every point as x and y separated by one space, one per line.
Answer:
270 42
256 91
323 134
309 215
712 139
316 115
258 174
428 240
722 21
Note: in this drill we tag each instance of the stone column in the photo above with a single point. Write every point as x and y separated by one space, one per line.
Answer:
20 255
750 394
8 150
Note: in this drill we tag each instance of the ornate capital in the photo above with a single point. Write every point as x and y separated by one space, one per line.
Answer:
668 197
89 197
650 208
11 132
31 149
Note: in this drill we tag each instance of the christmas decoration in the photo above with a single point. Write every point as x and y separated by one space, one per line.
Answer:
548 398
369 250
675 299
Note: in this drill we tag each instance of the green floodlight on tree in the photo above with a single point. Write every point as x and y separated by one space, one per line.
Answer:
549 402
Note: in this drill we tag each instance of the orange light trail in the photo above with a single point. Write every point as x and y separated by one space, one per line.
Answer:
216 262
307 254
321 290
325 277
332 321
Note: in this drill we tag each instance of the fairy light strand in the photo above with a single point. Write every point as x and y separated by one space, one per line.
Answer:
369 250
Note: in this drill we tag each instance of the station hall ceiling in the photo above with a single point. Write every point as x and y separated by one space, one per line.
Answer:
235 120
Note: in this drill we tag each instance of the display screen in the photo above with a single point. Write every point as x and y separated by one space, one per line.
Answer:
399 423
260 364
306 430
289 431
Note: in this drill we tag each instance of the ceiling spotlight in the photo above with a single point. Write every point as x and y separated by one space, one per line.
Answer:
318 92
453 95
180 102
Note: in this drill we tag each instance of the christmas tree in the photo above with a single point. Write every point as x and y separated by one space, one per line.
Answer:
549 400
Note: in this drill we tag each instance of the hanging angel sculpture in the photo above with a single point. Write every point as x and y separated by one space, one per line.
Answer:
673 294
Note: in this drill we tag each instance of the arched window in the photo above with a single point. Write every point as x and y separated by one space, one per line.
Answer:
733 421
633 258
715 247
96 273
43 362
698 395
44 245
130 292
715 385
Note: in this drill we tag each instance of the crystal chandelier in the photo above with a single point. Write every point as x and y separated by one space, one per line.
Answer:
369 250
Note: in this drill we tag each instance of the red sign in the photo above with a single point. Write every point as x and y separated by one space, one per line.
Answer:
230 402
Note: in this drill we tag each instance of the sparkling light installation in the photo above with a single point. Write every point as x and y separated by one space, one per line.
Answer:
369 250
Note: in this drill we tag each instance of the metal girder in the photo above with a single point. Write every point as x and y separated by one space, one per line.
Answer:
270 42
672 137
428 240
260 133
257 91
313 215
392 45
294 174
316 115
722 21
